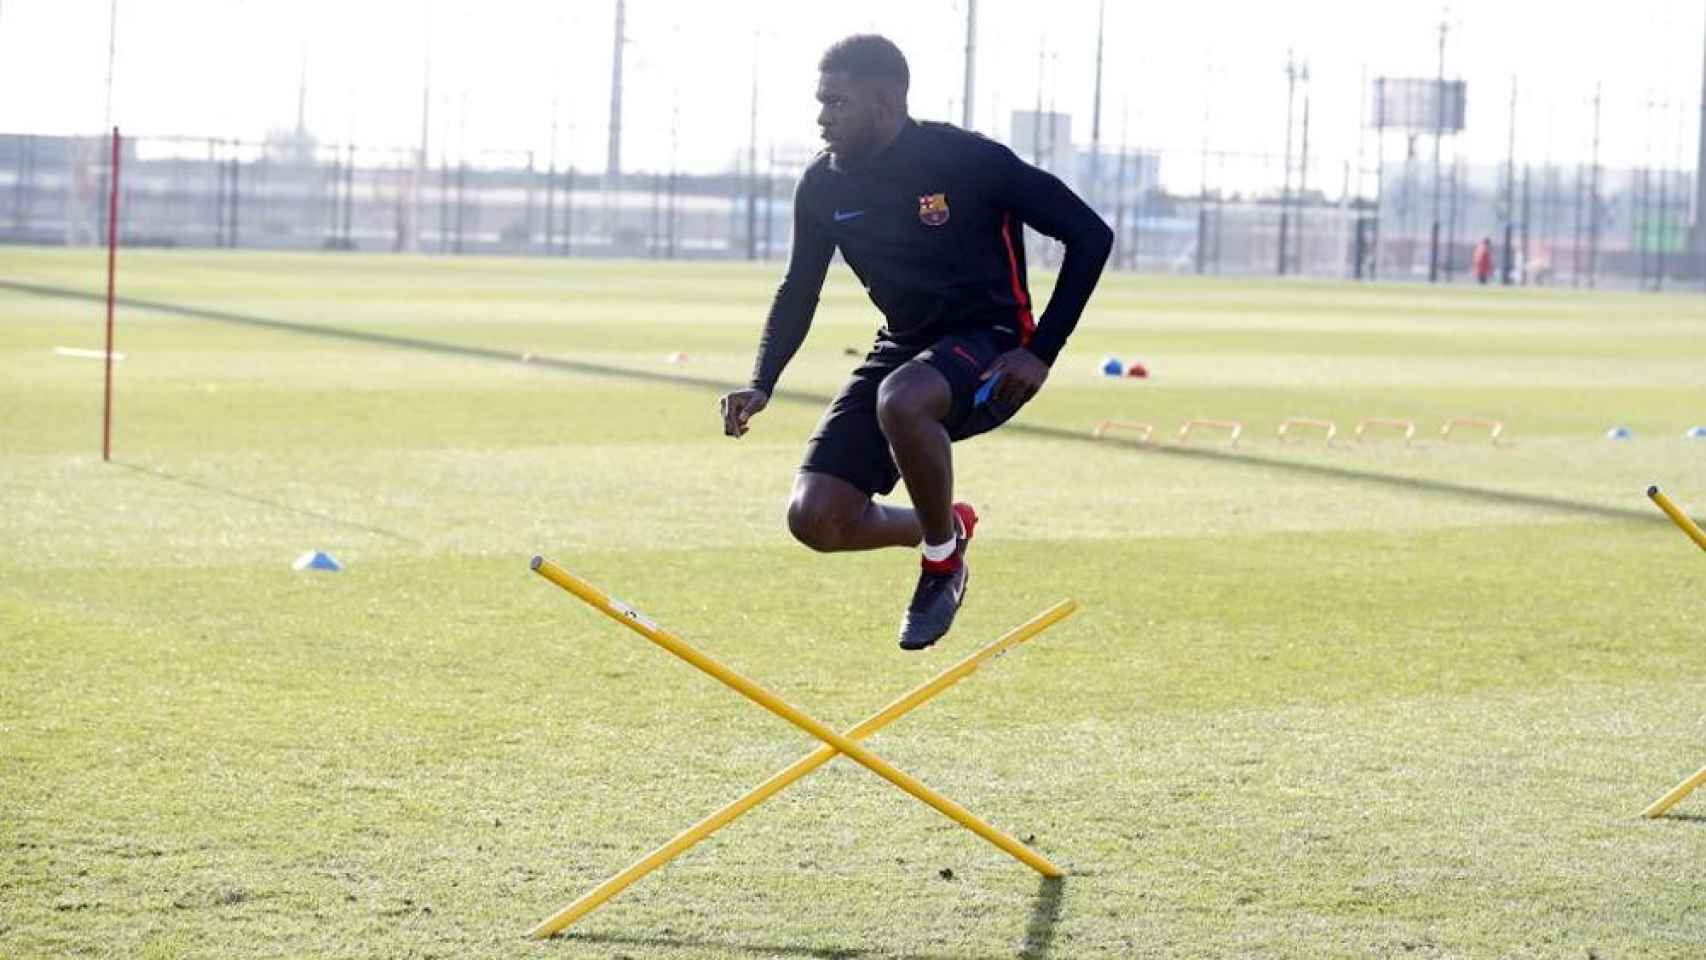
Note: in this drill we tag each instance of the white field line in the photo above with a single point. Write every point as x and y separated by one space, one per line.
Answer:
86 354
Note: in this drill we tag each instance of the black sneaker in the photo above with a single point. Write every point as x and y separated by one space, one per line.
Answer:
933 606
939 592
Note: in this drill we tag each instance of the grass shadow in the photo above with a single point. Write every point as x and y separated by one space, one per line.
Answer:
755 949
1045 915
1038 945
159 474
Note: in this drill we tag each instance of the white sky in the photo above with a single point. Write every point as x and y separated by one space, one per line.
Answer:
1183 71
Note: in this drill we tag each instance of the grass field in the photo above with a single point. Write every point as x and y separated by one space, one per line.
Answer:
1373 700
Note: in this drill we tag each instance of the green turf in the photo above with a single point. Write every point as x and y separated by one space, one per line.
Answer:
1373 700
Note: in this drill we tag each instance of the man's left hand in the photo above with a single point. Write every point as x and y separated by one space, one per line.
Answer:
1022 375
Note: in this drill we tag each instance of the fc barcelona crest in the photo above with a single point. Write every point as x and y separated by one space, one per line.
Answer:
933 209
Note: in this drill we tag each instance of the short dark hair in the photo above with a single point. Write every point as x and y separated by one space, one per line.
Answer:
867 56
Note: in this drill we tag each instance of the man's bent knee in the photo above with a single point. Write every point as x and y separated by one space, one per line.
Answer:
825 511
816 525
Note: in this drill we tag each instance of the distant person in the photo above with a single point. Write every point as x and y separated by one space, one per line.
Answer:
929 217
1538 269
1482 260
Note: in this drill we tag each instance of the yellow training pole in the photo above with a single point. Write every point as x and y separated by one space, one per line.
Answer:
1676 794
1678 517
1691 528
595 897
634 620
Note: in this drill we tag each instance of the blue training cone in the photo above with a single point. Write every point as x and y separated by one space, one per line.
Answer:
316 560
1696 433
1111 366
1619 433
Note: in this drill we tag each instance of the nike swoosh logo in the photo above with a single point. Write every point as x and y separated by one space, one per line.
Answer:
842 216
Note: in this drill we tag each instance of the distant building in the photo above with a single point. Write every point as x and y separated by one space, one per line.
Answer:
1045 140
1123 178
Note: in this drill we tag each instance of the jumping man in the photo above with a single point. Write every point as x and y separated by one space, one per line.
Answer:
929 217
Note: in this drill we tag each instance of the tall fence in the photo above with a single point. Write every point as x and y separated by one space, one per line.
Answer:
188 192
1173 211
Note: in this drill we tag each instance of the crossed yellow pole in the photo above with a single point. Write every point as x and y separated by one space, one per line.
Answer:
1675 795
1692 529
834 743
1677 517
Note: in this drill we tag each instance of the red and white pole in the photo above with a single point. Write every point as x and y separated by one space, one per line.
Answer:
112 263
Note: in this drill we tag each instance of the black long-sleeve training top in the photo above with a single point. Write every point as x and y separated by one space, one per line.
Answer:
932 228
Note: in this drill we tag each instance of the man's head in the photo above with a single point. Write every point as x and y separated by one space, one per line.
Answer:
861 85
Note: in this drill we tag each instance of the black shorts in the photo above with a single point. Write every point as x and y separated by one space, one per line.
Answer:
850 444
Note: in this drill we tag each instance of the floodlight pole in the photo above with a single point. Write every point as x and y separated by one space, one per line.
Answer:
349 199
236 192
1593 198
1302 177
1037 124
417 187
1202 174
1120 186
1453 209
1379 176
654 232
1549 203
1439 133
752 163
112 269
674 153
1641 218
971 64
1096 111
1576 240
1681 184
1285 192
567 247
769 199
551 180
1664 218
1510 193
613 158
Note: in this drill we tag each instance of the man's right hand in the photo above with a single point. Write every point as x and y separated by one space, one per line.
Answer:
738 407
